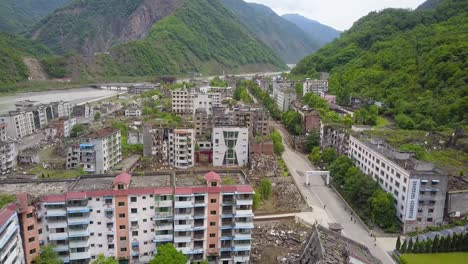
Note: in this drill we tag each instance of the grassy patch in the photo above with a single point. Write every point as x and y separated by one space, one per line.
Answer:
55 174
283 167
6 199
382 122
434 258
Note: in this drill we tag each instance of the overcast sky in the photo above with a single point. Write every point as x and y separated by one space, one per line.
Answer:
340 14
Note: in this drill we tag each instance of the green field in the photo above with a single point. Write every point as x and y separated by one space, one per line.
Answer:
440 258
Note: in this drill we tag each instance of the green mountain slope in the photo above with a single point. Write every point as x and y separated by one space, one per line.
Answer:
284 37
202 36
12 51
18 16
319 33
416 62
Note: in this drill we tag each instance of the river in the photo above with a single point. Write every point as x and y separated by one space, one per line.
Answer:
74 96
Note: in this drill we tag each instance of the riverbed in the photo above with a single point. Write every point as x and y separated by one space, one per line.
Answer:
74 96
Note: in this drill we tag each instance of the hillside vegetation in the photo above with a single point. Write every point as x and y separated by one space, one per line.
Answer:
17 16
319 33
202 36
12 51
416 62
285 38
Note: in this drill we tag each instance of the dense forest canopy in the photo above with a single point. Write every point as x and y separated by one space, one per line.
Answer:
415 62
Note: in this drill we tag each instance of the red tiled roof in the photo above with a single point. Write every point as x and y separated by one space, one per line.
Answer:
212 176
187 190
244 188
75 195
54 198
123 177
6 213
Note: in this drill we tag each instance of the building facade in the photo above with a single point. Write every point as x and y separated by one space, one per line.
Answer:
315 86
207 217
182 148
284 94
19 124
11 249
418 187
101 150
230 146
182 103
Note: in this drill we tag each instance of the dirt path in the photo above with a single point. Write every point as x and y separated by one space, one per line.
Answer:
35 69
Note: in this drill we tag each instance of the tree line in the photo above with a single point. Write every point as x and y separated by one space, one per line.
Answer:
454 243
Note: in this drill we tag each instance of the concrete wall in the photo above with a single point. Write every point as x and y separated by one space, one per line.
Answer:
457 202
262 148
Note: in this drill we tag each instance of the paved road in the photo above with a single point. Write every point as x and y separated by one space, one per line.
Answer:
318 195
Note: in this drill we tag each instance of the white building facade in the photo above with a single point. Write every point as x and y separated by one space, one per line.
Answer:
19 124
230 146
318 87
182 148
182 102
101 150
284 94
11 245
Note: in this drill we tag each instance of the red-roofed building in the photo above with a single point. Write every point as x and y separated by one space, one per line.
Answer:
122 181
29 224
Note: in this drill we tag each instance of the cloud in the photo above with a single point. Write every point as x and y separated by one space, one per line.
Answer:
340 14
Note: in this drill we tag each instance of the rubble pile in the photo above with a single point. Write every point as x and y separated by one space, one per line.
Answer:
287 196
279 242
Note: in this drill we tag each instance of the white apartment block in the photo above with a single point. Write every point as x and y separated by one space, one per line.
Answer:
101 150
8 156
203 102
11 248
61 109
230 146
132 112
19 124
40 116
418 188
182 102
68 126
182 148
284 94
318 87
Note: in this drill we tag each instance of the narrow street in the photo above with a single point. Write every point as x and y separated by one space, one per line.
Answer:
318 195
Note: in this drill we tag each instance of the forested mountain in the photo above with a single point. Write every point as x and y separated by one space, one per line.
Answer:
416 62
12 51
17 16
284 37
319 33
148 37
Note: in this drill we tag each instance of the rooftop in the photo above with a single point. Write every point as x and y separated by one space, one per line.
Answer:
103 132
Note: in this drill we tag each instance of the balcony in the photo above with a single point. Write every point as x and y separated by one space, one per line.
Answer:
196 251
242 247
164 227
163 238
78 244
183 227
184 204
61 248
183 216
58 236
78 209
238 236
228 202
166 203
56 212
78 233
79 255
244 202
57 224
163 215
198 236
246 225
241 258
78 221
183 239
185 250
244 213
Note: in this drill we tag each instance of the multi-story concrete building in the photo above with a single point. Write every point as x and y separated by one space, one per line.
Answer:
334 136
206 216
40 116
203 125
182 103
61 109
418 187
284 93
19 124
84 110
29 226
11 249
101 150
172 146
202 102
133 112
182 148
318 87
63 125
256 119
230 146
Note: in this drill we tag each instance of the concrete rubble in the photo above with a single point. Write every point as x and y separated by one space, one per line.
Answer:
278 242
286 194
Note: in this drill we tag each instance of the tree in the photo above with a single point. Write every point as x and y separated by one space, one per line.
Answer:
101 259
339 167
167 254
328 155
410 246
77 130
278 148
256 199
398 244
265 188
97 116
416 246
435 244
314 156
312 141
403 247
47 256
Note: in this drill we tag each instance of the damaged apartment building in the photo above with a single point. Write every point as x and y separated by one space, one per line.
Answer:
169 145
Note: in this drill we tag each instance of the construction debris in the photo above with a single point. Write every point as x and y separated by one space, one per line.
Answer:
278 242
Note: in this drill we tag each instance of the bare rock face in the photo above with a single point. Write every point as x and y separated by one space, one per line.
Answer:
147 14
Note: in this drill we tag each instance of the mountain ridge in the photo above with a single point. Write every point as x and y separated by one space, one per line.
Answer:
320 33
